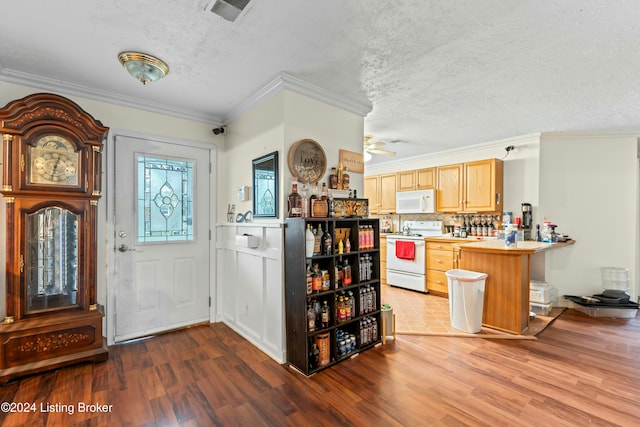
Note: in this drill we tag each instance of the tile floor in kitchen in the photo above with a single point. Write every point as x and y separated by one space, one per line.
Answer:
417 312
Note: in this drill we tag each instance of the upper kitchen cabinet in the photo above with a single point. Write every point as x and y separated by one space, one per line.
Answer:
420 179
381 192
470 187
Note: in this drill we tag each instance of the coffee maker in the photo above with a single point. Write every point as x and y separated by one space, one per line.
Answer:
527 220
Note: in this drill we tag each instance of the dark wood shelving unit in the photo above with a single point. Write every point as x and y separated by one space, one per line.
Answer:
365 324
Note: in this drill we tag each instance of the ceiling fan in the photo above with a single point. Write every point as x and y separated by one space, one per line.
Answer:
371 148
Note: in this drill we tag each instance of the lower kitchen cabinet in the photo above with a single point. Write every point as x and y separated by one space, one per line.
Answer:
332 299
440 259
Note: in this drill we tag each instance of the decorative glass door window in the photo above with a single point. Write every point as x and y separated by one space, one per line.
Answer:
165 199
52 259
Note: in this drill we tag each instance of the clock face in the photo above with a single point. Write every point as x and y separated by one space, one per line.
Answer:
53 161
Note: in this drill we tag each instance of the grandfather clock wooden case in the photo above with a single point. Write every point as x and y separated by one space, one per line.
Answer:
51 183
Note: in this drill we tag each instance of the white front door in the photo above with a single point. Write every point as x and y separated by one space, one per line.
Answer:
161 227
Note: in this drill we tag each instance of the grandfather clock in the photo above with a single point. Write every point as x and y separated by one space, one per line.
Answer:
51 183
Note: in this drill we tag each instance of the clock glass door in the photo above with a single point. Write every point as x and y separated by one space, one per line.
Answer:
51 259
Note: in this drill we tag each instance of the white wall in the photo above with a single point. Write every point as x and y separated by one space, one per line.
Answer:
258 132
331 127
589 187
275 125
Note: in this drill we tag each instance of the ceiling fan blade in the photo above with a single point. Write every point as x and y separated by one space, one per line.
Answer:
383 152
374 144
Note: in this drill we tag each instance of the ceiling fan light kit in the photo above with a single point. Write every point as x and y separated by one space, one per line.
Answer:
371 148
143 67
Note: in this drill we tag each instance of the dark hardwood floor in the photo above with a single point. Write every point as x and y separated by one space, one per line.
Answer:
581 371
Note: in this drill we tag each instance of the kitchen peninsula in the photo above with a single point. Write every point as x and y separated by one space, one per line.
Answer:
506 295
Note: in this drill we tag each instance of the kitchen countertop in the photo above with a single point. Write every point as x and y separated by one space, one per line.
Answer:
525 246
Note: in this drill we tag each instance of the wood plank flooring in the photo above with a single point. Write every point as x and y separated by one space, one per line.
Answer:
581 371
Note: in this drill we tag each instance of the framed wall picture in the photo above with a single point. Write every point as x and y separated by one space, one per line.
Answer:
353 161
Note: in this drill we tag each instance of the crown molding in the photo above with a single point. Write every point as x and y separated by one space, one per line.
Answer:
26 79
287 81
532 139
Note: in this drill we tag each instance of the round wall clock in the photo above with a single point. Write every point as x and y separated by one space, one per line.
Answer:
307 161
53 160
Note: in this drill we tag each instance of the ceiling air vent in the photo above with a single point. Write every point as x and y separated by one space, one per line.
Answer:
228 9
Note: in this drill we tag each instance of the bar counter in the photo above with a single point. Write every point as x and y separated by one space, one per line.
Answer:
506 295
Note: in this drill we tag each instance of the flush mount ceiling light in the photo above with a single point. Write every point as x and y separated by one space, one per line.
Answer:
143 67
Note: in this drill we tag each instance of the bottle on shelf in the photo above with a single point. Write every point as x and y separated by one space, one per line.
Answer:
347 308
313 356
332 206
352 303
338 275
314 196
327 243
341 310
326 315
316 279
309 279
340 173
340 247
309 241
333 179
345 179
324 194
311 318
294 202
317 240
326 280
347 245
304 193
346 274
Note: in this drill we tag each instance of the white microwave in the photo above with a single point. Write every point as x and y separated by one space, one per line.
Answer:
418 201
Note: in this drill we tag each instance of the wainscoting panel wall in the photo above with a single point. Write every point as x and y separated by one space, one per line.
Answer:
250 289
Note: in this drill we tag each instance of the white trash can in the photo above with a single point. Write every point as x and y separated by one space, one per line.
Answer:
466 299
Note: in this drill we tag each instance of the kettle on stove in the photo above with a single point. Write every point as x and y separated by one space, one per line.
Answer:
406 230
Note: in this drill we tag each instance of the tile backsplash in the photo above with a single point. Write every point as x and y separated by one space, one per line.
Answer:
396 221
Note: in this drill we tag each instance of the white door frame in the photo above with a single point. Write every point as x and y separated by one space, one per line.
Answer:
106 288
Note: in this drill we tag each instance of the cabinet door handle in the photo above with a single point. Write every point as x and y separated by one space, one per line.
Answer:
497 198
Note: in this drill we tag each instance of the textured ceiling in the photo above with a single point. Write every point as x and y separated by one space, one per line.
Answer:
439 74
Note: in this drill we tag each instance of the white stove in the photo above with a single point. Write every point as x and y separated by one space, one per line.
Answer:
406 254
419 230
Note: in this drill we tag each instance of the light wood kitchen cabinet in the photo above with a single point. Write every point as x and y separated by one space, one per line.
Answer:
420 179
381 192
440 259
470 187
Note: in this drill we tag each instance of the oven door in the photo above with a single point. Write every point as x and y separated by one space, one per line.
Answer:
416 266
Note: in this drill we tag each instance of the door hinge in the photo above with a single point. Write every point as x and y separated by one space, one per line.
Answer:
209 234
209 301
210 167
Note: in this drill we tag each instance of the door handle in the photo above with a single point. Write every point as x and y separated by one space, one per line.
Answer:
125 248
